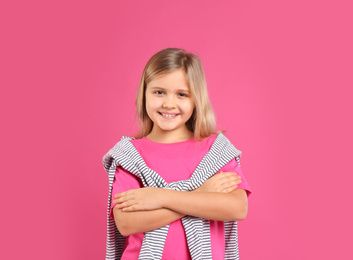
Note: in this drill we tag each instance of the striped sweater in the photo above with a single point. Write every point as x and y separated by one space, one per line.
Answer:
197 230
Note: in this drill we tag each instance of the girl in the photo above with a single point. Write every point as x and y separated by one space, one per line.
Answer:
176 189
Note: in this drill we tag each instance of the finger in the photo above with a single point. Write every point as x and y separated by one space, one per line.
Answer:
227 180
238 180
125 193
230 184
118 195
231 173
216 176
227 174
131 208
230 176
231 189
226 187
234 178
126 204
120 200
221 175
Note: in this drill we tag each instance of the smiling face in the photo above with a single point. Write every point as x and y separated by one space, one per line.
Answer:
169 104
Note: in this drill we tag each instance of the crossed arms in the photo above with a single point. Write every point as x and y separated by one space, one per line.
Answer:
144 209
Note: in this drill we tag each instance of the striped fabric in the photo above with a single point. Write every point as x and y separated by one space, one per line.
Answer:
197 230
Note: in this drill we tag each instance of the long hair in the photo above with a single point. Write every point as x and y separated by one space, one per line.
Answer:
202 122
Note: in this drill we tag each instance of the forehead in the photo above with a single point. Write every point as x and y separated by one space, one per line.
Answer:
171 80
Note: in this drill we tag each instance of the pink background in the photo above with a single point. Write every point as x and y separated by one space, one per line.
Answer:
280 80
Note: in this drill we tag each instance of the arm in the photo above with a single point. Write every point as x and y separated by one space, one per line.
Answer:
129 223
209 205
134 222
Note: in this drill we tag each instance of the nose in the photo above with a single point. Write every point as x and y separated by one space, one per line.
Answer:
169 103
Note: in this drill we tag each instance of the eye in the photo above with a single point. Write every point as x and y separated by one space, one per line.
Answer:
182 95
158 92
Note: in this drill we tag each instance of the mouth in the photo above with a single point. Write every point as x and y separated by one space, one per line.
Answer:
168 115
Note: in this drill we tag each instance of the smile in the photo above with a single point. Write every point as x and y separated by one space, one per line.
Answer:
168 115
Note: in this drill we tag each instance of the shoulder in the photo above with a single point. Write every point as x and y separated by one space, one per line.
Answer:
216 139
222 143
122 142
123 145
122 150
208 141
138 143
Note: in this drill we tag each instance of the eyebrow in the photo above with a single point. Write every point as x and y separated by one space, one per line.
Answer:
160 88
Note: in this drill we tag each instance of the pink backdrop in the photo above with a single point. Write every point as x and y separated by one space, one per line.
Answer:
280 79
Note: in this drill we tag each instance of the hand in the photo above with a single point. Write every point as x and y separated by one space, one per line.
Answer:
147 198
222 182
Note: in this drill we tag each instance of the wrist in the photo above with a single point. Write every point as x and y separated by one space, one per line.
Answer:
167 197
164 197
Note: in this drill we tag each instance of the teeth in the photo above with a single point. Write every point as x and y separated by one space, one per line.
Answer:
168 115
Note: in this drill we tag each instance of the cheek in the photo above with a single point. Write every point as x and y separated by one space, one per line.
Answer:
151 104
149 101
189 107
149 108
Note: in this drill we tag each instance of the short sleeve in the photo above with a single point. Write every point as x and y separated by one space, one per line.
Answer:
123 181
233 166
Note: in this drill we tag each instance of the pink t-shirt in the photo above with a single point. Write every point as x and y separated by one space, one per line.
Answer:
173 162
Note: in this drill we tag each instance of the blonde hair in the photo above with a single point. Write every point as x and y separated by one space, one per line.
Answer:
202 122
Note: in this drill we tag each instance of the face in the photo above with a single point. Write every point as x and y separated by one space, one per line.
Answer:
169 103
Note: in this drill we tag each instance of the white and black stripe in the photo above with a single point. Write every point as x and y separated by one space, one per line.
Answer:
197 229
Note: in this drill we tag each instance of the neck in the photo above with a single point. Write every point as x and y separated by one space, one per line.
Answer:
169 137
